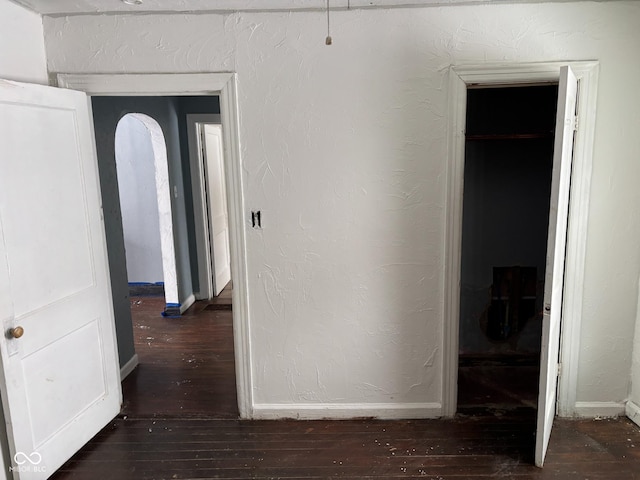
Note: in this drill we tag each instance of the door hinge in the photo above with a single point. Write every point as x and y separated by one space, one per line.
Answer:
575 123
559 369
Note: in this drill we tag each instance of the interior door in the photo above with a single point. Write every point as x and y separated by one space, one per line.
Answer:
556 249
217 206
60 381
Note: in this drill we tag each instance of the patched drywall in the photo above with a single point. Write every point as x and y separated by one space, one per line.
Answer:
344 151
22 52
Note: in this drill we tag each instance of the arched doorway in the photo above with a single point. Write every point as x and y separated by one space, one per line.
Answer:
145 200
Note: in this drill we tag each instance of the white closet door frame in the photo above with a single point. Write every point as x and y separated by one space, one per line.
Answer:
460 77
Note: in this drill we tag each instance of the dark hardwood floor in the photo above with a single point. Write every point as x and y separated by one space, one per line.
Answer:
498 382
463 448
186 364
179 421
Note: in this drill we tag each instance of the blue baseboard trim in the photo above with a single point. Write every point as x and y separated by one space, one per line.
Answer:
172 310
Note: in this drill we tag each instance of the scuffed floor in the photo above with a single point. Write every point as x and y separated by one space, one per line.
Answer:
497 387
463 448
186 364
179 422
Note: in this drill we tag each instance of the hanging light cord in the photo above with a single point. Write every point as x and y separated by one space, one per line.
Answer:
328 40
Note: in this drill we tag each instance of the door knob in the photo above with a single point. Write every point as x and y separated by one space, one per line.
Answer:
16 332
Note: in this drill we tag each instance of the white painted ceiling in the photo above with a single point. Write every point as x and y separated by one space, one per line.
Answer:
75 7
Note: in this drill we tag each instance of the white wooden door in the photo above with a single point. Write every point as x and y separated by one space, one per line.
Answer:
556 249
60 381
217 206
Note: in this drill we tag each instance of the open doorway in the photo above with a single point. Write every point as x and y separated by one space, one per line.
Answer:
566 246
210 210
217 215
184 350
507 187
202 86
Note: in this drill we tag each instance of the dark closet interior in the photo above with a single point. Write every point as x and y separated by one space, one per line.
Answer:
507 185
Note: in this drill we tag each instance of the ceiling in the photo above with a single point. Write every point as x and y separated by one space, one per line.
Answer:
78 7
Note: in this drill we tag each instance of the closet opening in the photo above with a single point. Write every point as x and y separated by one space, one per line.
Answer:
507 187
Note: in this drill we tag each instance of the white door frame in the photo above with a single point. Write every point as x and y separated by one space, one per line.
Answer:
223 85
460 77
203 250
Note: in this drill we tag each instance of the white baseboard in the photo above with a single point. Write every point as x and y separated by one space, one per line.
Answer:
599 409
633 412
187 303
128 367
339 411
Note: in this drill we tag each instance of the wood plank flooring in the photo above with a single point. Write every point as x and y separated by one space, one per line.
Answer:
186 365
173 429
463 448
497 387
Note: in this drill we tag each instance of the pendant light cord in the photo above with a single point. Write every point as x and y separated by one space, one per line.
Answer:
328 40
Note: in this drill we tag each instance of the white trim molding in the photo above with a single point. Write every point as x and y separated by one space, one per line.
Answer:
146 84
633 412
224 85
200 207
573 298
343 411
129 367
184 306
461 78
599 409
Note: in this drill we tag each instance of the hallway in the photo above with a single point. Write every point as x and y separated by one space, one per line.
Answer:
186 364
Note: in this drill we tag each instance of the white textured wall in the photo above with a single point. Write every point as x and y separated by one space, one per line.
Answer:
344 151
138 200
22 53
